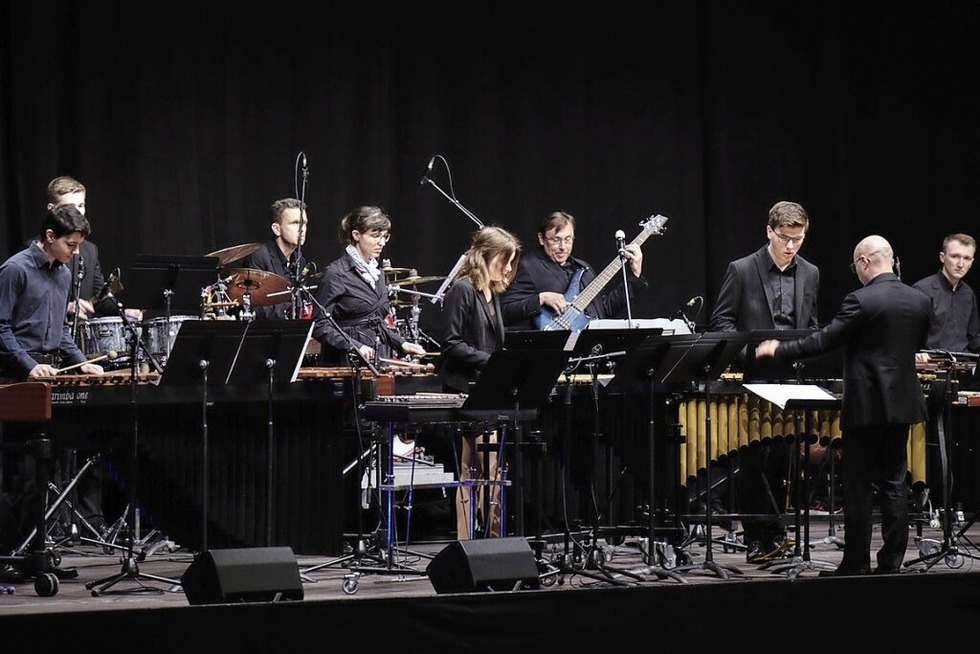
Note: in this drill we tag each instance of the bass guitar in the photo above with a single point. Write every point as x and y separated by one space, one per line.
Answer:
575 318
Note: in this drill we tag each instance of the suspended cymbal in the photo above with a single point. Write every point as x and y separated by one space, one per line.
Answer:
259 284
234 253
410 281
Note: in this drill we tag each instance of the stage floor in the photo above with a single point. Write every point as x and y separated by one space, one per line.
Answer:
584 563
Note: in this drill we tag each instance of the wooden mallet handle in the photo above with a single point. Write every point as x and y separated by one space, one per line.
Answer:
111 354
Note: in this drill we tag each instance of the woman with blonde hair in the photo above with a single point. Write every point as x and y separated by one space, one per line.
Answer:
473 329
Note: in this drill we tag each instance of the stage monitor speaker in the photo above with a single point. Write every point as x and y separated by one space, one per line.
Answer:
258 574
467 566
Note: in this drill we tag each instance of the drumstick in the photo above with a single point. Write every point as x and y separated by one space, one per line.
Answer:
111 354
409 364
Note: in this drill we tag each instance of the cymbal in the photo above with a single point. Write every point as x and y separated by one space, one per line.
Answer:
396 271
259 284
411 281
234 253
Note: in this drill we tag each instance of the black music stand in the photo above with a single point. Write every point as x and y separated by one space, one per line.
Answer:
517 380
171 283
694 360
150 287
818 369
204 354
594 349
805 399
271 352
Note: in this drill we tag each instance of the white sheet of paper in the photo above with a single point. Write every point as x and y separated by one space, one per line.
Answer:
780 394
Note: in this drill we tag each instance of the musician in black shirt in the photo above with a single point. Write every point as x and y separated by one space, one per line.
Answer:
549 278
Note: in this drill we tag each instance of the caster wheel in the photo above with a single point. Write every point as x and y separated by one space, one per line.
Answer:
46 584
955 561
350 584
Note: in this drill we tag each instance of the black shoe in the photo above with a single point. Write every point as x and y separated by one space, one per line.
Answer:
845 572
880 570
754 552
10 574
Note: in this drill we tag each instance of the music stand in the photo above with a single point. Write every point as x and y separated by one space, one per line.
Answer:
520 380
817 369
799 398
592 347
204 353
687 360
152 284
272 352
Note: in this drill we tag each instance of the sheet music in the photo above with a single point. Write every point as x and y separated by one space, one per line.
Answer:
780 394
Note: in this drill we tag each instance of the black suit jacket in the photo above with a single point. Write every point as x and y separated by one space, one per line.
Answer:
470 334
745 300
880 327
537 273
359 309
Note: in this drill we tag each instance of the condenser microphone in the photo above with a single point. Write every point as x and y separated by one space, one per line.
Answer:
107 287
621 242
428 169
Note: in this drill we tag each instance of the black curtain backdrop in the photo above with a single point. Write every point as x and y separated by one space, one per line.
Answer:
186 120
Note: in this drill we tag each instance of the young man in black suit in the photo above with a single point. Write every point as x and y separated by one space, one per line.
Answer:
772 288
880 327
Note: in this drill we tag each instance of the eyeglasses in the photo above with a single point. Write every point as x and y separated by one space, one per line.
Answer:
866 257
786 240
559 240
379 236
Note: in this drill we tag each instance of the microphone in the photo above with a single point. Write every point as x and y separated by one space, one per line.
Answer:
691 325
304 160
106 291
621 242
428 169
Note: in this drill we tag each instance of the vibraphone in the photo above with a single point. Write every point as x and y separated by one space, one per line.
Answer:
740 420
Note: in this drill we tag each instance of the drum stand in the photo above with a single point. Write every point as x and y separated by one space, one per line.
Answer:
949 551
130 567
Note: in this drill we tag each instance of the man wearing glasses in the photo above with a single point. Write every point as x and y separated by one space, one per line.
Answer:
772 288
880 327
549 278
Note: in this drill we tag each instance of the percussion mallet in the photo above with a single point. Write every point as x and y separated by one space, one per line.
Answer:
428 367
111 354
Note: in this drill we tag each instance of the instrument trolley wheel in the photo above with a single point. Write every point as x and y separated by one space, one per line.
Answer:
46 584
351 582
